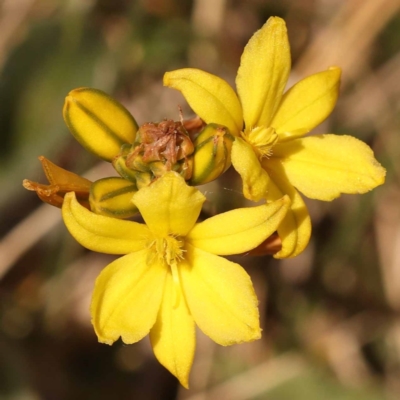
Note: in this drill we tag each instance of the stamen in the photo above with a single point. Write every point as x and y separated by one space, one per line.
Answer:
262 140
169 251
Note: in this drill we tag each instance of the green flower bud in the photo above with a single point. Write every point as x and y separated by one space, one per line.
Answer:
119 163
212 154
112 197
98 122
143 179
183 167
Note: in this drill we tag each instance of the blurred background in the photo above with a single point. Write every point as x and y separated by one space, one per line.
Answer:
330 317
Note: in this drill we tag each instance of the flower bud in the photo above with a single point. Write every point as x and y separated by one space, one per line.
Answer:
119 163
212 154
98 122
144 179
112 197
140 174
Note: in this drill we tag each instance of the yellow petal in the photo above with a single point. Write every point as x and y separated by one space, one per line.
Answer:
173 336
263 73
220 297
255 179
169 205
324 166
127 297
295 228
98 122
239 230
100 233
307 104
209 96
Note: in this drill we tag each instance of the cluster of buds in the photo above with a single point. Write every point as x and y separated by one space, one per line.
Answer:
158 148
199 153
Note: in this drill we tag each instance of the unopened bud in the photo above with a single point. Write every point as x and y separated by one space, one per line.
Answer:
112 197
98 122
119 163
141 175
212 154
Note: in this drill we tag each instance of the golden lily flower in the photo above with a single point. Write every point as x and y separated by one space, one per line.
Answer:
171 277
270 152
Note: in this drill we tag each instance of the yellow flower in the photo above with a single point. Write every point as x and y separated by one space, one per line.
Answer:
171 277
270 152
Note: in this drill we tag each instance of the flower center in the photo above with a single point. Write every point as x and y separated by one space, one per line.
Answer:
262 139
169 250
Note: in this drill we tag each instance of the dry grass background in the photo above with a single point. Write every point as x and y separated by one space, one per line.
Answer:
331 317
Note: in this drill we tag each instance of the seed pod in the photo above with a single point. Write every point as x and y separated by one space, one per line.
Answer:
112 197
212 154
98 122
